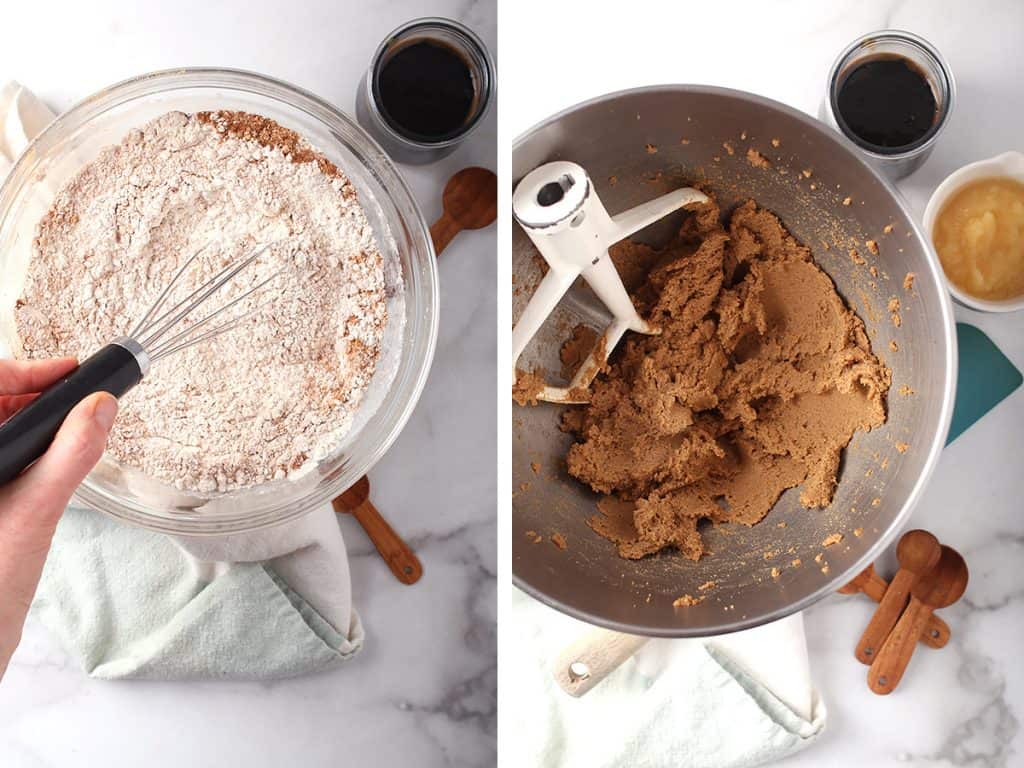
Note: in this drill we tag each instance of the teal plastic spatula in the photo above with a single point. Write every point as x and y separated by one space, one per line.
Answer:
985 378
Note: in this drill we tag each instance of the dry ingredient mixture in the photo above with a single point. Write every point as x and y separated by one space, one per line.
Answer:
759 379
261 401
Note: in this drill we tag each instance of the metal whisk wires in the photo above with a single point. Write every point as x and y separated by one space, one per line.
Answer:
123 363
152 330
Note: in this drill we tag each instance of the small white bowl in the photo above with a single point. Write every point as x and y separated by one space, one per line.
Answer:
1009 165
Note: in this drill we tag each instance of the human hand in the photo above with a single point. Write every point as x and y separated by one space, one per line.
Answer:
31 504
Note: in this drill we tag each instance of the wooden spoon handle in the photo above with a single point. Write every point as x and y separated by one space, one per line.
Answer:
936 631
875 587
396 553
886 615
892 659
593 657
442 232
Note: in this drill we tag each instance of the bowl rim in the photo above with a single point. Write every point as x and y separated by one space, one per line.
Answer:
948 335
1008 164
380 165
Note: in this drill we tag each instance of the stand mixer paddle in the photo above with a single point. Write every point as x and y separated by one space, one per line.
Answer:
558 207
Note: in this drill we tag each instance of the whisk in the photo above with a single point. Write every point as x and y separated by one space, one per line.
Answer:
122 364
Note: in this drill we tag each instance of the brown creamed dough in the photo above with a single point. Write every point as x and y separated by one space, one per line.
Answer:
758 381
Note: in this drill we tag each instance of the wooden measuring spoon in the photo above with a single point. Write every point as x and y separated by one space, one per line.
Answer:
396 553
867 581
939 588
470 201
936 631
917 552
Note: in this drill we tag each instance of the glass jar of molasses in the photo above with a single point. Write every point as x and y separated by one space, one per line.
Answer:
428 86
891 93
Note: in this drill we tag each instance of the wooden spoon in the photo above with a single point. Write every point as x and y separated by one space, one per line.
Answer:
867 581
936 632
917 552
470 201
941 587
396 553
591 658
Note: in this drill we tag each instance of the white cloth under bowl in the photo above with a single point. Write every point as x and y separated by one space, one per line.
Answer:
733 701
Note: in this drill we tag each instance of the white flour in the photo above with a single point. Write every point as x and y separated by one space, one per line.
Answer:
260 401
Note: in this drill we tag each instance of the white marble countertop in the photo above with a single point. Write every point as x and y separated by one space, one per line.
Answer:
422 691
961 706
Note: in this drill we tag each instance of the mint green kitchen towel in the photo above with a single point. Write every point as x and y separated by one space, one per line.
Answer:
128 603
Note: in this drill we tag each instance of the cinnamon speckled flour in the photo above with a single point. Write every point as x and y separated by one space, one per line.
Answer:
260 401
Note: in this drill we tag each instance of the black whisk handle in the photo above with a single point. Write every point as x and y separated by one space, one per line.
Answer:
27 434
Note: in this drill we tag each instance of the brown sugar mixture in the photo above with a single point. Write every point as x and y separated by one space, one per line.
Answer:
528 386
759 379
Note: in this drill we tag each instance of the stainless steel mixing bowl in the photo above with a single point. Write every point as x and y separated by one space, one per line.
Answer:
615 137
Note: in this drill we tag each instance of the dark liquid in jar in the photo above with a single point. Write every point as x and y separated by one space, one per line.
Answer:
887 103
426 91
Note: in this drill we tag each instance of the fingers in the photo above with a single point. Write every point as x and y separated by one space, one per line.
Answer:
42 492
11 404
18 377
22 380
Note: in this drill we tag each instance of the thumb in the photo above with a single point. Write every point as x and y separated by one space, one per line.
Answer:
45 489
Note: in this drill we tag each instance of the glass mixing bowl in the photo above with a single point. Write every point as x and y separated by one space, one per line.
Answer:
76 137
